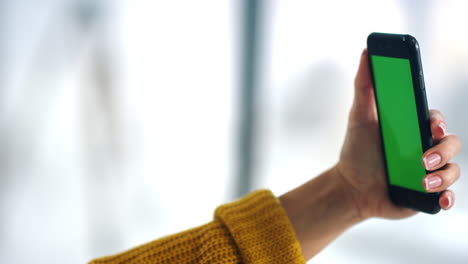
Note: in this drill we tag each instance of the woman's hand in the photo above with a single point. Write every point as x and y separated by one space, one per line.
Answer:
361 164
356 188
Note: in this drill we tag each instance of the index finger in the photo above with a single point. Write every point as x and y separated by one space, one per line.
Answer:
438 125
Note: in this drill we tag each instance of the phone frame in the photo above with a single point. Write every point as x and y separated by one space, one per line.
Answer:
406 47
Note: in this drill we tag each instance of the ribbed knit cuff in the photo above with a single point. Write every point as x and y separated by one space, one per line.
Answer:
261 229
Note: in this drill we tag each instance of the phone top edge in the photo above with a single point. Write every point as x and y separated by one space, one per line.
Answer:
392 45
390 35
402 38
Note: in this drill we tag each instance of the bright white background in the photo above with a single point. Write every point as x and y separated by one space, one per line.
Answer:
118 118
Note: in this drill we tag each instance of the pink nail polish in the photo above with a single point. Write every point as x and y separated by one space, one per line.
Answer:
431 161
449 201
432 182
443 126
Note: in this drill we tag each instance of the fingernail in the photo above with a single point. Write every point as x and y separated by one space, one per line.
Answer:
432 182
443 126
450 202
447 203
431 161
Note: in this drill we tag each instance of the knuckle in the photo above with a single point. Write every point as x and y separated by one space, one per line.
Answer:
446 154
436 114
455 137
452 142
452 173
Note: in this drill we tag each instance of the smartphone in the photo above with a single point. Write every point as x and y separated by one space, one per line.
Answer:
403 114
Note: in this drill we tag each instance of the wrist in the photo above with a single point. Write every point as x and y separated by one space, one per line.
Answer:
351 192
320 210
349 195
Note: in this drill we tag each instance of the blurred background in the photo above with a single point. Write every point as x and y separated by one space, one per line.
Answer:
123 121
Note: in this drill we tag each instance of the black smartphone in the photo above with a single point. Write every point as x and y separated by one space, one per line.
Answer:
400 97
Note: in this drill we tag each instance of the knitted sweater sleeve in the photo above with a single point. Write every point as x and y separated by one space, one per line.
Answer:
254 229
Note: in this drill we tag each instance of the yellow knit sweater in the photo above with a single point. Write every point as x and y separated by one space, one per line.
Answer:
254 229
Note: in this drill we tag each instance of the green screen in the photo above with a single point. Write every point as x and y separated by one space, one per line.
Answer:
399 121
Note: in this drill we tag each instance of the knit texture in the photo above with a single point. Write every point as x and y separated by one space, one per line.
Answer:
252 230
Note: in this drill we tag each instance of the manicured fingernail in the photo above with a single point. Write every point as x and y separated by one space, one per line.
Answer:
447 203
432 182
431 161
443 126
450 202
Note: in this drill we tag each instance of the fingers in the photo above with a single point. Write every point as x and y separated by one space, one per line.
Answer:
438 125
441 179
447 199
363 79
364 105
437 156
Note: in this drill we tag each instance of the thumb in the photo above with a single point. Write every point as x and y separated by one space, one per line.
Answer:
363 109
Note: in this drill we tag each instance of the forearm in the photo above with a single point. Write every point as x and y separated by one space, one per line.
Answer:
319 211
254 229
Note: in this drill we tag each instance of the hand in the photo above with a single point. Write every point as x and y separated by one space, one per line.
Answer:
356 188
361 164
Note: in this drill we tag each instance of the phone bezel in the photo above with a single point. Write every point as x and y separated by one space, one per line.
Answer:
407 47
